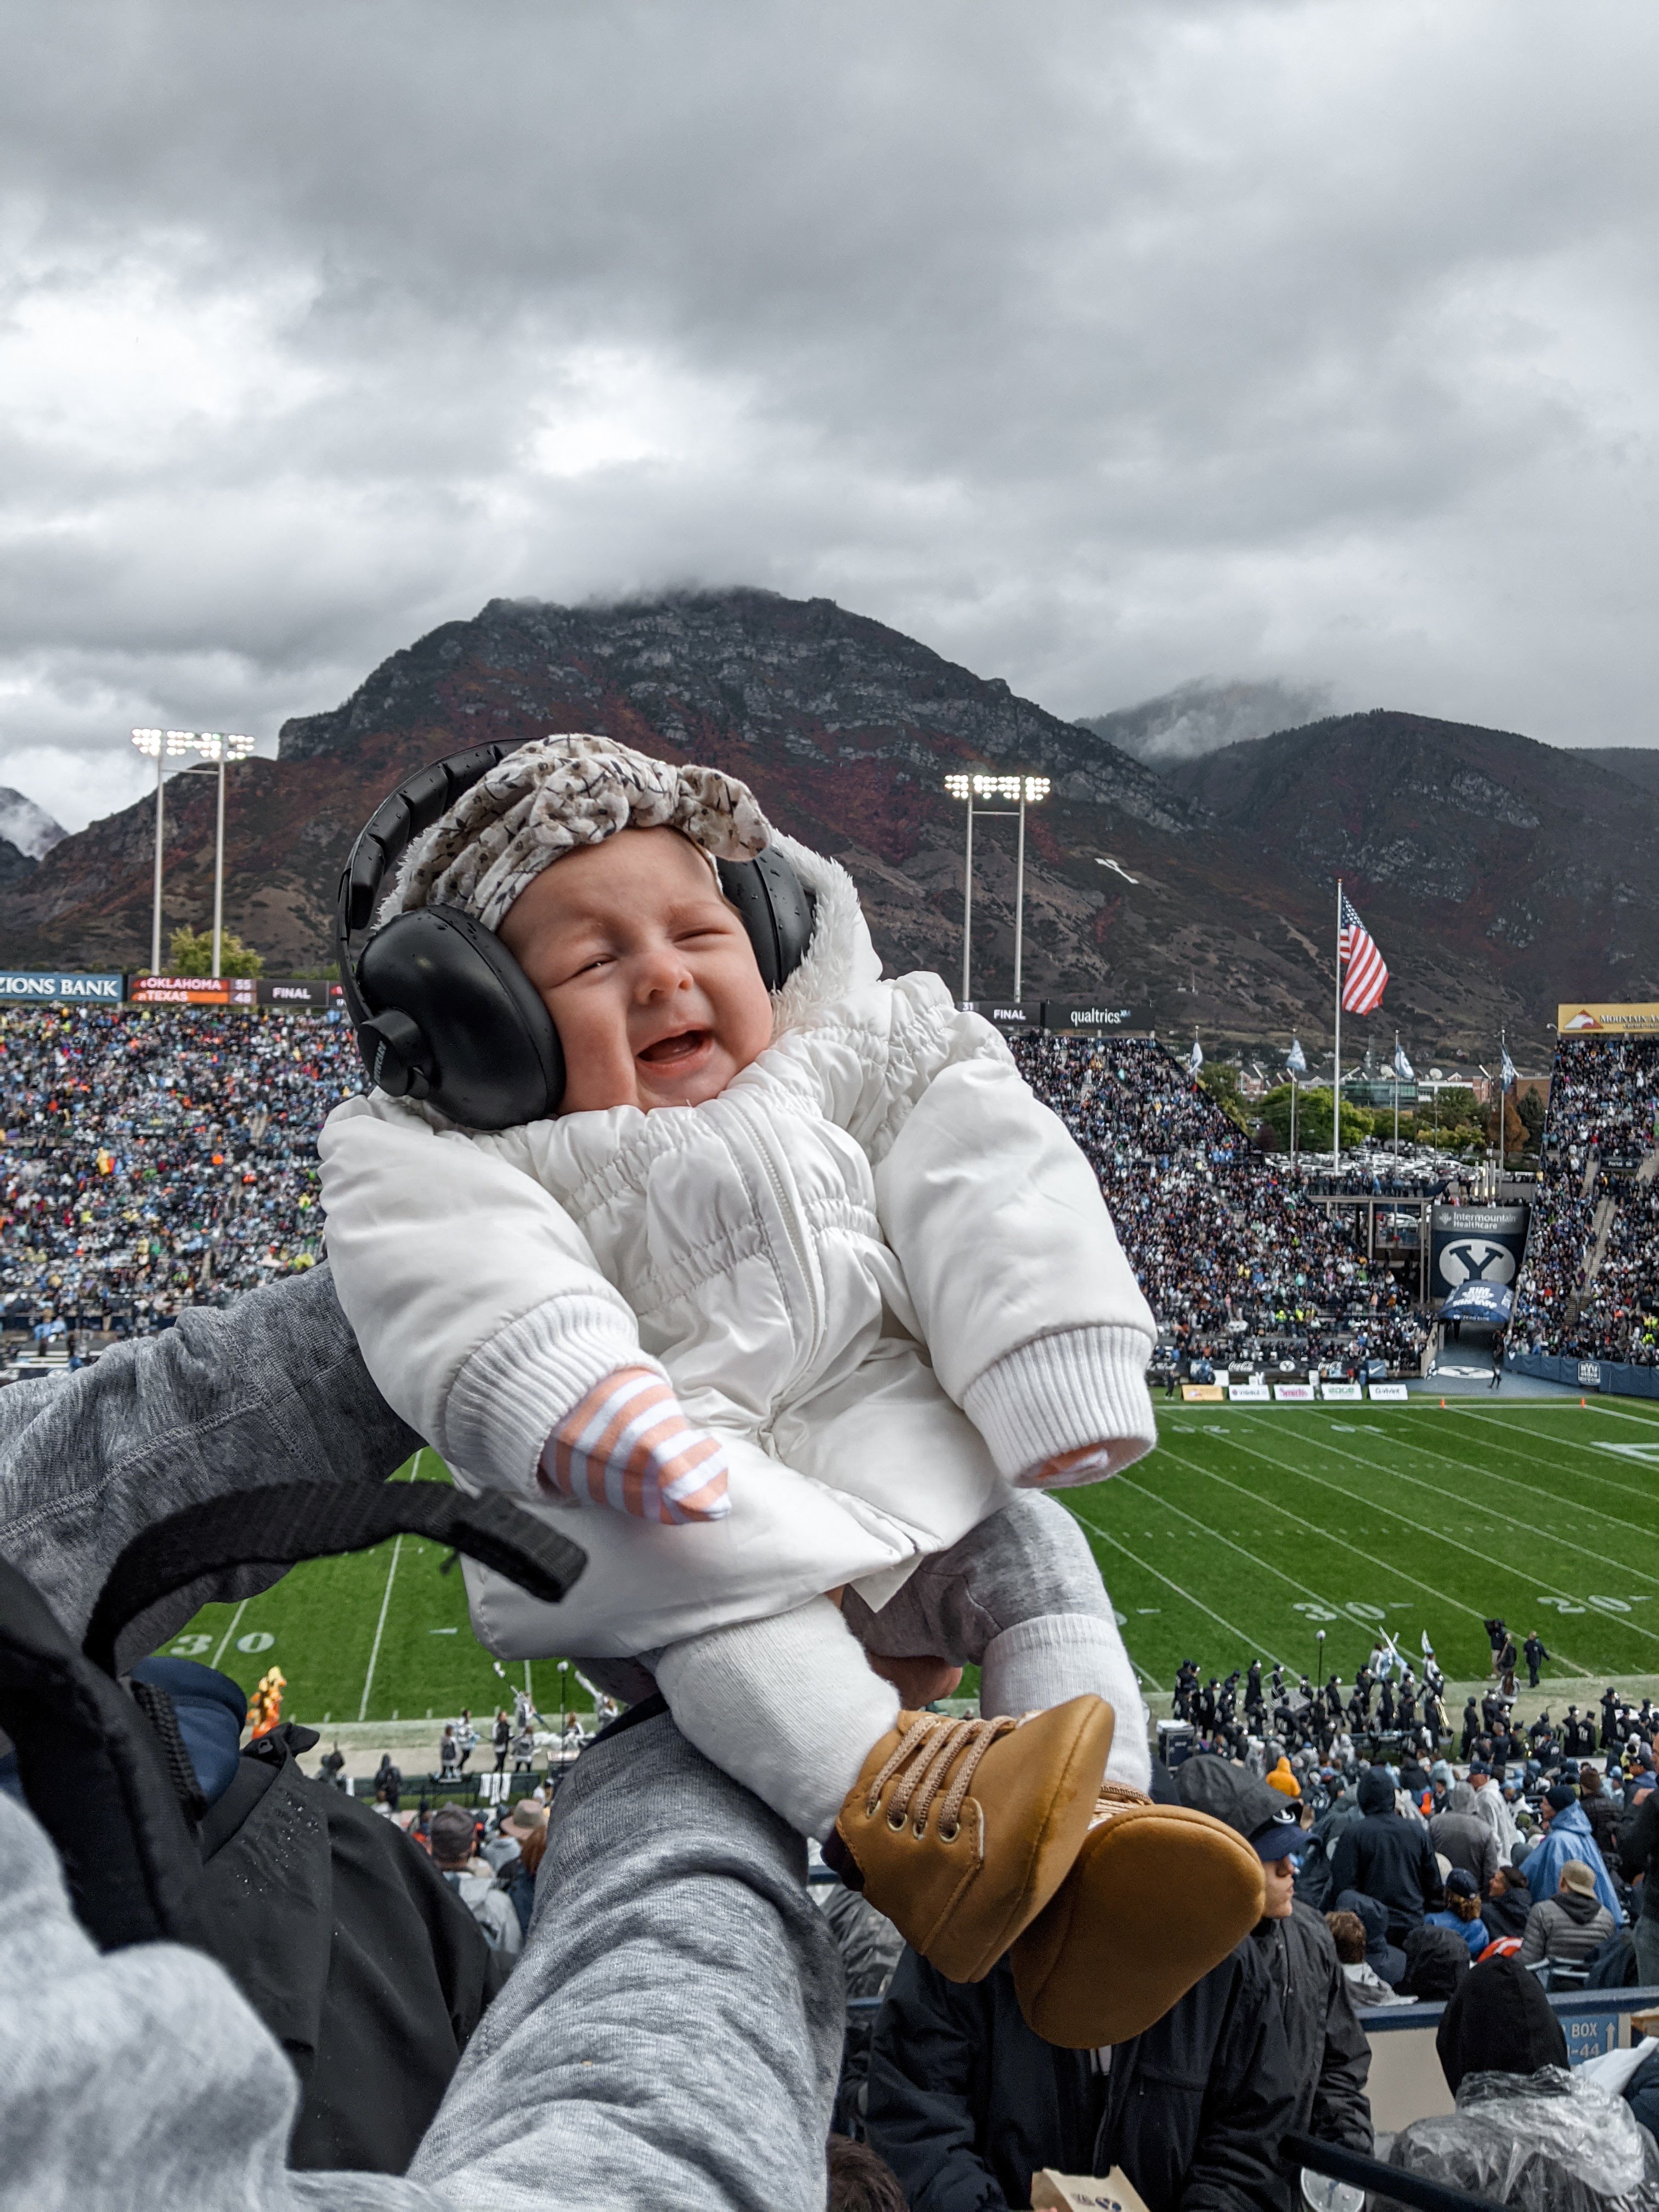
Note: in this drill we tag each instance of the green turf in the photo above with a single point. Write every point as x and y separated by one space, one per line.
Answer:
1249 1529
324 1621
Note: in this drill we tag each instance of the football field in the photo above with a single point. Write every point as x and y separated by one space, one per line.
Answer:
1248 1531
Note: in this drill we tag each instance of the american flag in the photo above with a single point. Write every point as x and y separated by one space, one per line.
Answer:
1366 973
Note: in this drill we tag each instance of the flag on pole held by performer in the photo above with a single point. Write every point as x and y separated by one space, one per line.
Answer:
1296 1060
1365 972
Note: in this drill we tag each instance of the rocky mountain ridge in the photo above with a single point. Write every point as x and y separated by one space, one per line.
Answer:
1497 874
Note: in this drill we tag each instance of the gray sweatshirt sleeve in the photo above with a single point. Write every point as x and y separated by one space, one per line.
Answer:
271 1389
670 2035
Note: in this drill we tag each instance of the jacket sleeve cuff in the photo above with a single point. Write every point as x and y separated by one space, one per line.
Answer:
1078 1389
514 1390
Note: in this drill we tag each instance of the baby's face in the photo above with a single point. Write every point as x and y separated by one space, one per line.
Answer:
646 971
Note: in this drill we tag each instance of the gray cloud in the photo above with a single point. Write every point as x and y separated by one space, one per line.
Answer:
1099 346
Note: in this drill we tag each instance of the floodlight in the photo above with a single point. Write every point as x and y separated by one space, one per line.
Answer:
148 741
959 787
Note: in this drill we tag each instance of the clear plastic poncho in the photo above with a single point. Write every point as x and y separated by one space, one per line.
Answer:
1546 2141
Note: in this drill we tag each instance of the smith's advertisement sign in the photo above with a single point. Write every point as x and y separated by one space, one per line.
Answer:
1475 1244
28 983
1575 1020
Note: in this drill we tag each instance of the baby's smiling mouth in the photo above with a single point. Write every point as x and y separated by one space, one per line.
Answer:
670 1051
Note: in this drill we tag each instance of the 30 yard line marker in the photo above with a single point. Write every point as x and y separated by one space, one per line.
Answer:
385 1602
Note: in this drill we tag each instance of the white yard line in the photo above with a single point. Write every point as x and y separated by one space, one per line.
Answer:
1573 1506
1317 1528
1251 1642
1592 1473
385 1602
1439 1535
230 1632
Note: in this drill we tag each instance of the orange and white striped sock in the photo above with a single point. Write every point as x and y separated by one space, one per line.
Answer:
629 1446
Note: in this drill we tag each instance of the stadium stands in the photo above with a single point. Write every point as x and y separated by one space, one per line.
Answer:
158 1157
1236 1262
1587 1288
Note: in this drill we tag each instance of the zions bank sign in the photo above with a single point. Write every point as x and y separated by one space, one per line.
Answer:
33 983
1475 1244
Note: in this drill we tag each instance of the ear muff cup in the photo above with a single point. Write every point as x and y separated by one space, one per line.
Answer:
776 909
483 1049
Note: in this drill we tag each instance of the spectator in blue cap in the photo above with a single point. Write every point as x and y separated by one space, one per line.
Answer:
1461 1912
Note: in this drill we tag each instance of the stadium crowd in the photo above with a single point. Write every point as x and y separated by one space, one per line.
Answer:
1235 1261
1586 1288
155 1157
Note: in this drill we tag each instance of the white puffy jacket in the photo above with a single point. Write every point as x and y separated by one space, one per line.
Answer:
875 1266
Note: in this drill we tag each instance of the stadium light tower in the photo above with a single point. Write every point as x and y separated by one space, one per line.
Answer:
219 746
159 744
1028 790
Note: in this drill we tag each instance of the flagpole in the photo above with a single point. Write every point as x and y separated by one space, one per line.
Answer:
1396 1094
1503 1100
1336 1078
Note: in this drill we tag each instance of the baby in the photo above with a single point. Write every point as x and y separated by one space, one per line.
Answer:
798 1304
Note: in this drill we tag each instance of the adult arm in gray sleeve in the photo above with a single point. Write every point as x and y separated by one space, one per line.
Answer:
670 2035
269 1389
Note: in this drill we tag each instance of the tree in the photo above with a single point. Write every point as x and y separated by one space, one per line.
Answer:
1531 1110
190 953
1220 1079
1313 1119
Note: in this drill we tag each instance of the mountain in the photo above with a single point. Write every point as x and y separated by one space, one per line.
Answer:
845 727
1482 861
1639 764
1201 717
27 828
1497 874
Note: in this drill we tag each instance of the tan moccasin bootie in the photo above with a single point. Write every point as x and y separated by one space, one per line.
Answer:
964 1829
1158 1895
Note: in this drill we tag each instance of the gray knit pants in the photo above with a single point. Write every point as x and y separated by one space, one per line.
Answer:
790 1707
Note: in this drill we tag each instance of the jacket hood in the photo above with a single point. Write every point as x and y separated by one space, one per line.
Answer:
1460 1798
1577 1907
1570 1821
1376 1791
1499 2021
840 957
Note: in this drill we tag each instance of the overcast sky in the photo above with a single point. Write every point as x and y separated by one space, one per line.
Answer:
1101 346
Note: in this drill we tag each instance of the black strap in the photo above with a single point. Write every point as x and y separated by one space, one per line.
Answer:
284 1522
1339 2164
383 840
94 1776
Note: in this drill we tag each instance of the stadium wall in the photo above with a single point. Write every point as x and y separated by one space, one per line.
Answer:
1613 1378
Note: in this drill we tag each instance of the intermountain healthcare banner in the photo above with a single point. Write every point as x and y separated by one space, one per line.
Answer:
1474 1245
1575 1020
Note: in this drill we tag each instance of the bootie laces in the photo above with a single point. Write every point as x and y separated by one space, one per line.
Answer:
928 1749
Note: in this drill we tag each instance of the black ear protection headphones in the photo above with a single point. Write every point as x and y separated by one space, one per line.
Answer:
442 1009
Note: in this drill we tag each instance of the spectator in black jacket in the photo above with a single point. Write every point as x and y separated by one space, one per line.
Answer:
966 2103
1330 2056
1387 1857
1536 1656
1639 1851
